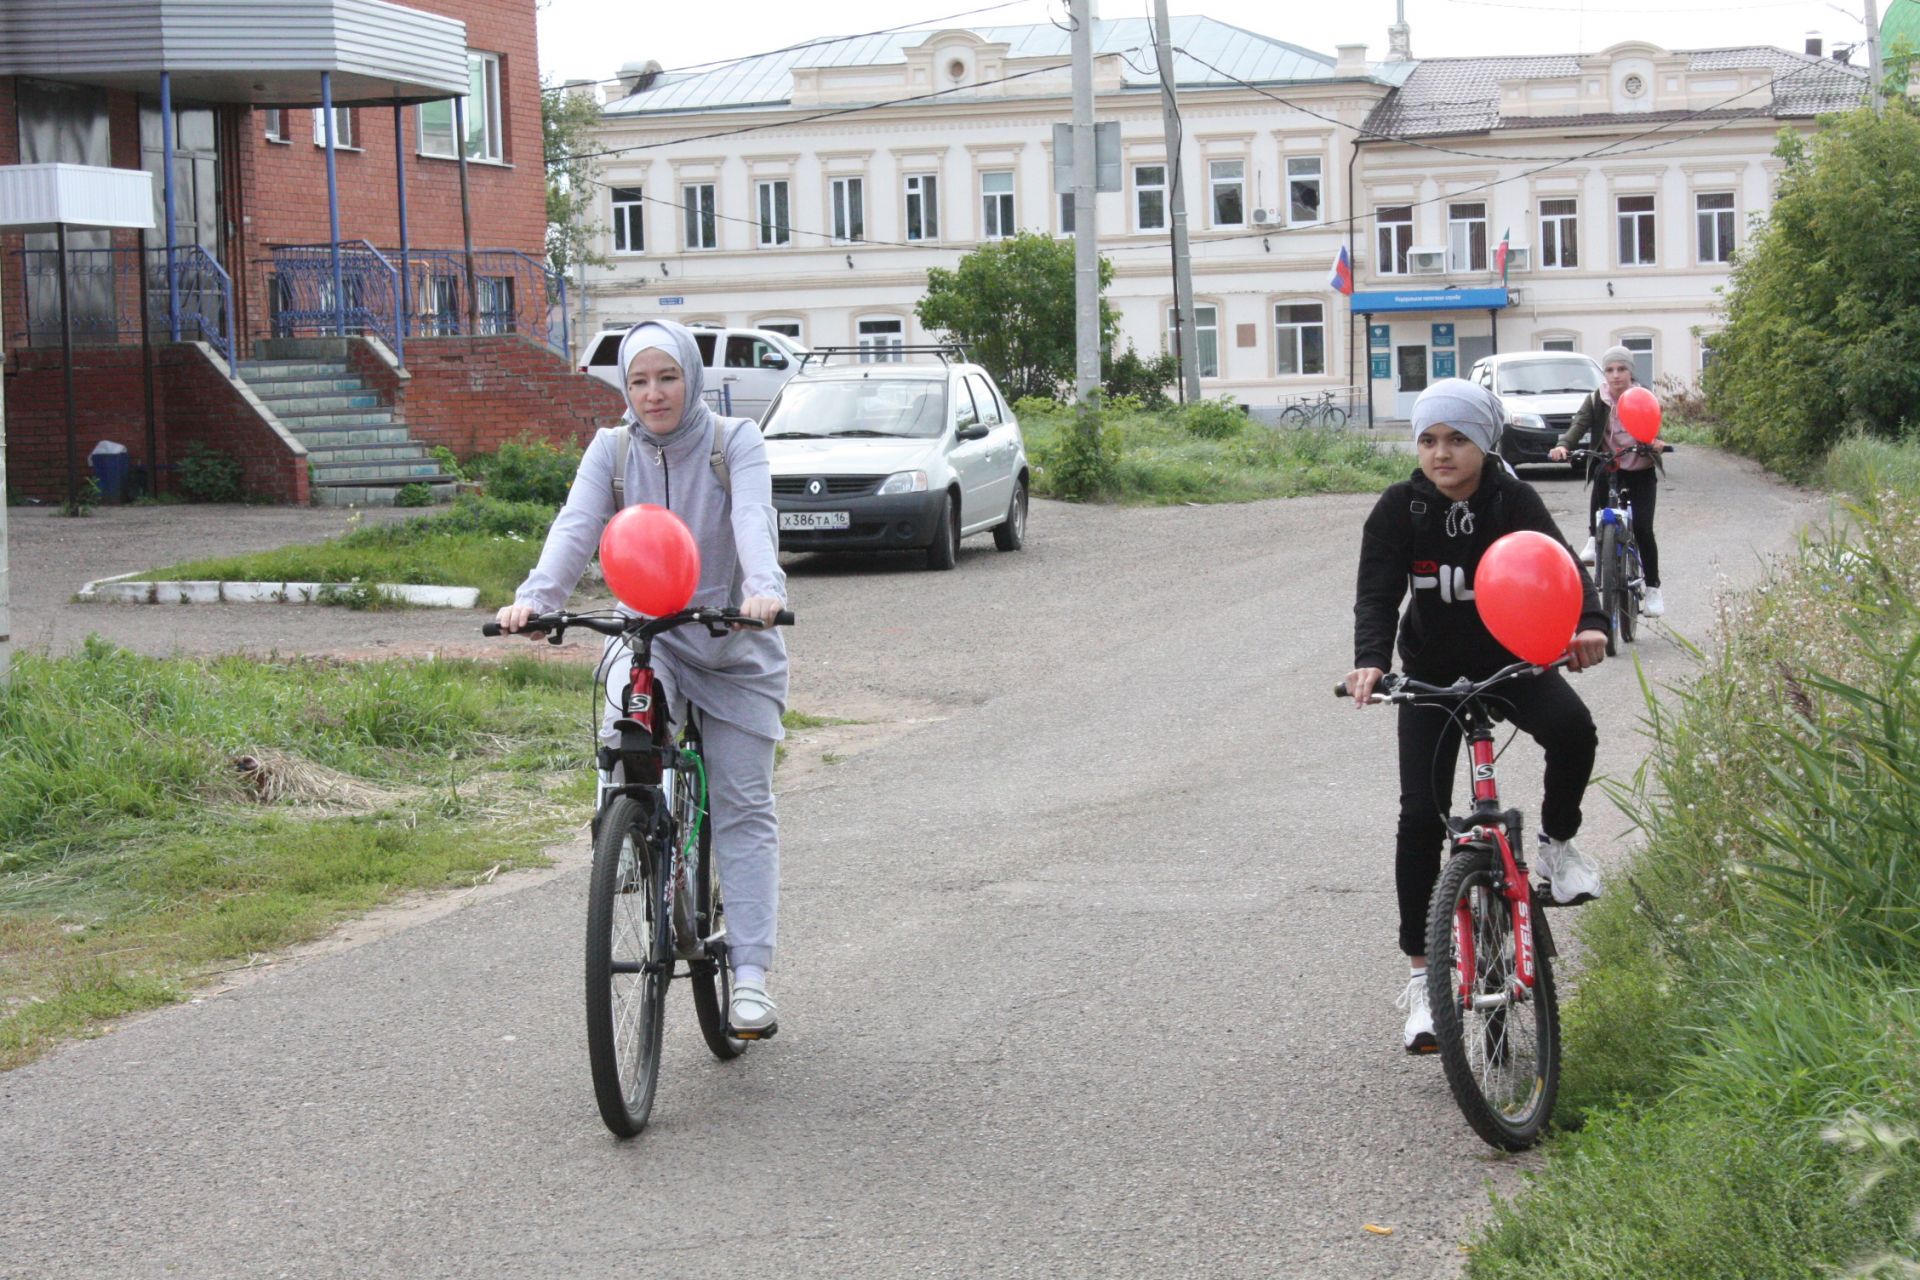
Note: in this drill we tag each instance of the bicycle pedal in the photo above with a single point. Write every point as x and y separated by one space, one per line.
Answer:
1543 897
764 1033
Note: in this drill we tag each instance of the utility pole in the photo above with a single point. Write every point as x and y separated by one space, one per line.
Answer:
1086 236
1873 56
1186 348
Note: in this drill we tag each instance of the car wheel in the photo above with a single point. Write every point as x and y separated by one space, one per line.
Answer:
1011 533
945 548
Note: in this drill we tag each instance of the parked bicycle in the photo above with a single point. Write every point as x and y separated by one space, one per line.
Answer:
1620 576
653 895
1321 412
1489 950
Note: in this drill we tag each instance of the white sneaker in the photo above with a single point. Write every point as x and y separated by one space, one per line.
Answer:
1419 1036
1588 552
1651 604
1573 877
751 1010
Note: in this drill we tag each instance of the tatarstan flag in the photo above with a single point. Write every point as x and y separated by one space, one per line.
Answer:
1500 254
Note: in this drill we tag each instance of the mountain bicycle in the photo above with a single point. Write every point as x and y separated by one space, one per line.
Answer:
1489 949
1319 412
1622 579
653 894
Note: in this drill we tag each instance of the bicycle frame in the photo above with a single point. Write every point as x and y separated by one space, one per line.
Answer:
1489 824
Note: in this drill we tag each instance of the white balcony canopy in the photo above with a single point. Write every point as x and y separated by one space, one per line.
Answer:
39 197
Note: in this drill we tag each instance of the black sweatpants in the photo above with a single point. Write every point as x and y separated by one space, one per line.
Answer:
1638 488
1548 709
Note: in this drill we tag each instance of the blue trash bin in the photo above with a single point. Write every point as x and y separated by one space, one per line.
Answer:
110 466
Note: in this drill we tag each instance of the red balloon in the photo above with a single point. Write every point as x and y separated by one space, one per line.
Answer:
1639 414
650 560
1528 591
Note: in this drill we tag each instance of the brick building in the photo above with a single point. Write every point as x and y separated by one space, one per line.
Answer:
326 372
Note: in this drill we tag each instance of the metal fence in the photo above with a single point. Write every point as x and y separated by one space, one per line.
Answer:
104 289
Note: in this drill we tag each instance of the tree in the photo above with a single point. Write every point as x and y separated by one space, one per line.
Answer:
567 119
1823 314
1011 303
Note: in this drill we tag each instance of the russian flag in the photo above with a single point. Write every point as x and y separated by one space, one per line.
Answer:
1341 278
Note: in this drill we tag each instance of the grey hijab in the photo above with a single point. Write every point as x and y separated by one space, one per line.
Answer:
1467 407
678 342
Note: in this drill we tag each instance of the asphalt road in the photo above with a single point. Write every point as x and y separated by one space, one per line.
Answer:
1087 959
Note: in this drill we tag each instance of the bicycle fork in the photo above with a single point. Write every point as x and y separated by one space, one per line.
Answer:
1491 827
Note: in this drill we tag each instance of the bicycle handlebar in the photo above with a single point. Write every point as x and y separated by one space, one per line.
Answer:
1394 687
1644 450
717 621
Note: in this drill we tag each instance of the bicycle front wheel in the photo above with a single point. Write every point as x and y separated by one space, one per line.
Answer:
1499 1039
1293 416
1613 586
1336 417
628 966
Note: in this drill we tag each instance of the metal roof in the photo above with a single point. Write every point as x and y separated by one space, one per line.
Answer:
768 80
1462 95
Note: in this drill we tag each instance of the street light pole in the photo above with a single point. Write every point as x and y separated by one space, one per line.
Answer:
1086 238
1186 342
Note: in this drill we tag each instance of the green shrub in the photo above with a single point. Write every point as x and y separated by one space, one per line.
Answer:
414 495
208 474
1144 381
449 464
1028 407
1085 457
530 469
1220 419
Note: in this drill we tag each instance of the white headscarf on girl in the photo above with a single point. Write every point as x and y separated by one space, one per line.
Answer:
678 342
1467 407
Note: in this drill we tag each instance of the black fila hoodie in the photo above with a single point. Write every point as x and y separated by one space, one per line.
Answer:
1419 539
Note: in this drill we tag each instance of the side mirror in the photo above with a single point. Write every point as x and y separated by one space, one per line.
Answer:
972 431
773 360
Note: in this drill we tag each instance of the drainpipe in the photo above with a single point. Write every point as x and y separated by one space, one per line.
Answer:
1353 352
166 158
405 317
466 213
333 208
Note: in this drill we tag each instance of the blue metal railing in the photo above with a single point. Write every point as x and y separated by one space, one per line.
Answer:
104 288
303 292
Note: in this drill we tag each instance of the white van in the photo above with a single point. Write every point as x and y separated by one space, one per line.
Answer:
744 367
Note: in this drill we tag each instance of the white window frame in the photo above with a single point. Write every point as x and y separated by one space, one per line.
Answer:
1638 225
1463 254
1210 312
875 348
629 222
1218 185
1292 334
1641 344
276 124
1559 342
773 203
1393 239
923 198
1560 234
789 326
1717 224
1141 190
483 126
847 198
997 209
342 129
1316 179
700 200
1066 215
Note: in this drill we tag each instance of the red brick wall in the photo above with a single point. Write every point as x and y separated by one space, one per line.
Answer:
193 401
474 394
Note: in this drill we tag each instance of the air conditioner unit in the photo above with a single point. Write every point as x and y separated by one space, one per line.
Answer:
1519 258
1267 217
1426 262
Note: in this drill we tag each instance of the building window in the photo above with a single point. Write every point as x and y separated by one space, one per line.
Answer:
1226 189
703 230
1713 217
1467 237
1393 230
629 220
494 295
789 327
1706 353
1303 190
276 124
880 339
1299 339
1066 213
1557 344
1559 233
849 210
1149 197
996 205
923 206
1206 338
775 228
1635 215
342 128
1642 348
480 111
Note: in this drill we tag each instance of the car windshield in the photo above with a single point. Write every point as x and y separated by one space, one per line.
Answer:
1547 377
911 407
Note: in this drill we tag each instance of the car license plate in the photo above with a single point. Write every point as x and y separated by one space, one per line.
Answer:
815 520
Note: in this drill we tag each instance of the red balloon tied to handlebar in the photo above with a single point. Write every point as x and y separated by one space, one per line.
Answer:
650 560
1639 414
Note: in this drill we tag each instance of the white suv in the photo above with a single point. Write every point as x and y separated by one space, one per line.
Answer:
744 367
1541 391
895 456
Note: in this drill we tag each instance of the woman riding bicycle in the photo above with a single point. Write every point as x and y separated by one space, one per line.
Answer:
1636 472
1429 532
738 682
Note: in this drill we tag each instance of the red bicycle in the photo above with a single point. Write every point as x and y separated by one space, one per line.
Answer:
1489 950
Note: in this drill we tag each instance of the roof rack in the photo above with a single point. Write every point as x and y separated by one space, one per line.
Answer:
947 351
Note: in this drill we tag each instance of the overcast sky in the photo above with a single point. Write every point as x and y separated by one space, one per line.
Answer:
590 39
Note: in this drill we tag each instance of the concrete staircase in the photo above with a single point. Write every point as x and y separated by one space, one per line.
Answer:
358 451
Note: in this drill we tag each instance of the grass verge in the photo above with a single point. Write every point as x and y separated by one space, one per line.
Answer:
162 820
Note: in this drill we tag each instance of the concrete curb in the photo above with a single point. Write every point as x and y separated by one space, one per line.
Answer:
126 589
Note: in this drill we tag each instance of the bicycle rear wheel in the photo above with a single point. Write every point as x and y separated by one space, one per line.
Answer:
1499 1040
1336 417
712 978
628 966
1613 585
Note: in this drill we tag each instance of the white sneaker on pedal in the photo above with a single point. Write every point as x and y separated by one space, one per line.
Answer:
1419 1034
1570 872
1651 604
751 1012
1588 552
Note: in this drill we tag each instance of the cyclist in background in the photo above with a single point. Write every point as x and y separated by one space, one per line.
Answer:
1594 424
739 681
1428 533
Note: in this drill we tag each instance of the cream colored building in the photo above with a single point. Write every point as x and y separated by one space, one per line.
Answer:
810 192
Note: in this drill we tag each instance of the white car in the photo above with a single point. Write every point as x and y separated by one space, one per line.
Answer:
895 456
744 367
1541 390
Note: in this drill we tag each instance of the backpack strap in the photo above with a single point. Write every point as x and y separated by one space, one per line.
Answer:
717 459
722 469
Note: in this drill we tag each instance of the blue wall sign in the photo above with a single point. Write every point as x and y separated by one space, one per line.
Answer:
1385 301
1379 336
672 302
1380 366
1443 364
1443 333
